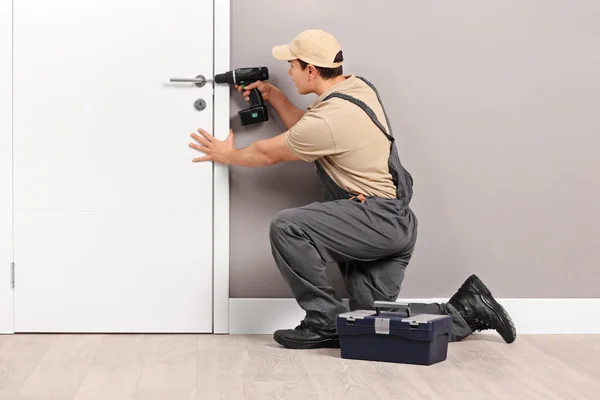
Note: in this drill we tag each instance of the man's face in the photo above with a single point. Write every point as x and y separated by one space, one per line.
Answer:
300 77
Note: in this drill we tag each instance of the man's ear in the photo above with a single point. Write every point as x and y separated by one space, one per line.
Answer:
312 72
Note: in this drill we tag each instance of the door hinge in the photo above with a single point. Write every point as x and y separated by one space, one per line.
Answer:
12 268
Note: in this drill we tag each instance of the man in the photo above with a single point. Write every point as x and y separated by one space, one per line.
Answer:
364 224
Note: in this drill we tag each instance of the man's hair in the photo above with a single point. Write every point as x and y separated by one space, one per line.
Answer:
327 73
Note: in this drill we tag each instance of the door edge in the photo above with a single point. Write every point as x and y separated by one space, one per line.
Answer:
221 63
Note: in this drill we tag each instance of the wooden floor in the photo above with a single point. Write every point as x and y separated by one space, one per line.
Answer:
254 367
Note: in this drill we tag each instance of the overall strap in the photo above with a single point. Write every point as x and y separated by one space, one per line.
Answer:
387 120
365 108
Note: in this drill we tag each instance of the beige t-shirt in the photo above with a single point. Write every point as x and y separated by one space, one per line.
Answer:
349 146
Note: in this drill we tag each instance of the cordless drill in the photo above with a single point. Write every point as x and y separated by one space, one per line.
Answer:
257 112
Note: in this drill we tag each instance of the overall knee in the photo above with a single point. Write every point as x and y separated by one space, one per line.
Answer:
280 226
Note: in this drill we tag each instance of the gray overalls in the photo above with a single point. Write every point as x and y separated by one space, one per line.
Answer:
370 238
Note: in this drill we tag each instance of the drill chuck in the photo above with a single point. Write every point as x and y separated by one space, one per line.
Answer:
226 77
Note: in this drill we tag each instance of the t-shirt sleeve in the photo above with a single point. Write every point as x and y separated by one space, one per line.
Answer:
310 138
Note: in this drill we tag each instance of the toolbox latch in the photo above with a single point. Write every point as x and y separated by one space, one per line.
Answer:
382 326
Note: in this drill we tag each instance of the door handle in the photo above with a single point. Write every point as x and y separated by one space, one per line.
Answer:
199 81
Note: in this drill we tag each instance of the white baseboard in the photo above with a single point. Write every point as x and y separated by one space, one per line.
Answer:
531 316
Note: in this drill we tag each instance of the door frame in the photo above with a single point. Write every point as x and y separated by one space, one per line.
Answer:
221 63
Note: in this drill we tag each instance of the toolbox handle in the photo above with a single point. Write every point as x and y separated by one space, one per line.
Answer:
392 305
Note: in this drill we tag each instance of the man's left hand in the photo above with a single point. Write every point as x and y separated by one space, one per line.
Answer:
216 150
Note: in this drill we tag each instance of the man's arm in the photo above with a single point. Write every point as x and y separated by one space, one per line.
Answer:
260 154
289 113
263 153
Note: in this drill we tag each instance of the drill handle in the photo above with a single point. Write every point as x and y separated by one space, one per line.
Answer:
256 98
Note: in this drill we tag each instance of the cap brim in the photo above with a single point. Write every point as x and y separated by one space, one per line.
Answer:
283 53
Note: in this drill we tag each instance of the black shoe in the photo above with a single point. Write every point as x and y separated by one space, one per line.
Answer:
306 337
481 311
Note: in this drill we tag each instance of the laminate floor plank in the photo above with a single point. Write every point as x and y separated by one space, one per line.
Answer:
20 355
170 369
116 369
549 367
60 372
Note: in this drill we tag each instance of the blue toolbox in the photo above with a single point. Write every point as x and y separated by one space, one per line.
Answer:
397 337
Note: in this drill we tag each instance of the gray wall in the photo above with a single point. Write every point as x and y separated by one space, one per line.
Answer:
496 108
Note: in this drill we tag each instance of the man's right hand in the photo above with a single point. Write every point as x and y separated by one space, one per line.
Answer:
288 113
265 89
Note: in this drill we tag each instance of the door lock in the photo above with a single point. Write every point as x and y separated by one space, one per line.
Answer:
200 104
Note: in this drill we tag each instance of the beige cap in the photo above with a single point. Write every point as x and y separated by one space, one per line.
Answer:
313 46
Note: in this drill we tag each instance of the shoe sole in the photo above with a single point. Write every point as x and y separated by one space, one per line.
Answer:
488 299
321 344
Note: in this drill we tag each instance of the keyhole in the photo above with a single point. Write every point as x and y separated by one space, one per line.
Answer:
200 104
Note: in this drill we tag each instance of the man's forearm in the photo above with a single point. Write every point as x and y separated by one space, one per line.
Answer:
289 113
251 156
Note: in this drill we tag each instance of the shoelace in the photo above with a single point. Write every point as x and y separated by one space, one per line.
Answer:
482 326
303 326
478 324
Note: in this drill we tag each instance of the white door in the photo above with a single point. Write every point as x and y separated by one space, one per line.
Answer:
113 222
